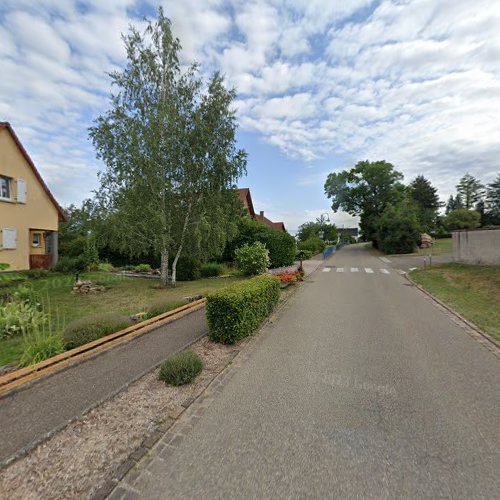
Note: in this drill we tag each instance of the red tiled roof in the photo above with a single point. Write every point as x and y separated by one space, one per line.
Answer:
7 126
246 199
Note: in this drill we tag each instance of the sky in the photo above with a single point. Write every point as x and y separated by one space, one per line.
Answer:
321 85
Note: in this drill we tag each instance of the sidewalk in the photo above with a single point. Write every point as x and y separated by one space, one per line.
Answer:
36 411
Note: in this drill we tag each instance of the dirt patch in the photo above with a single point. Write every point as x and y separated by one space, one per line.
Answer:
76 461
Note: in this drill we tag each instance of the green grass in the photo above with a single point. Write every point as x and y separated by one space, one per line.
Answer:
441 247
472 291
125 296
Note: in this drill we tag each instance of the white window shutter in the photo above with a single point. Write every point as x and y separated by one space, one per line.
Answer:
21 190
9 239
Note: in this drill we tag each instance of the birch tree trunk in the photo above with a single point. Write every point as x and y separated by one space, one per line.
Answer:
164 267
181 244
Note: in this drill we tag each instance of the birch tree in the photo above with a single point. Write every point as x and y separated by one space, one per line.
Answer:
169 145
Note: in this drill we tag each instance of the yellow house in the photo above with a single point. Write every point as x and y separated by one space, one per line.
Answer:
29 214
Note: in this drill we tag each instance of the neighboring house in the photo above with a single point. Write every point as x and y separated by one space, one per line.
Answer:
29 214
246 199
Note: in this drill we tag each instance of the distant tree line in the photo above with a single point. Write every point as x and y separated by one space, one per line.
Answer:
393 215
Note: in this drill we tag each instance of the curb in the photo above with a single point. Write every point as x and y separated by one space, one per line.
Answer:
493 346
213 388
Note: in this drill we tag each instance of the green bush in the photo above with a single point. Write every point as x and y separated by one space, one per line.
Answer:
91 328
69 264
211 269
35 274
282 248
313 244
18 317
181 368
398 229
188 268
252 259
306 254
238 310
161 307
39 345
143 268
105 267
3 266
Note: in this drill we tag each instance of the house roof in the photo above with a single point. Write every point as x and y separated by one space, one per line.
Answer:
6 125
246 198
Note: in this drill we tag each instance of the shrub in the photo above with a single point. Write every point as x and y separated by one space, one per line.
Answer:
282 248
161 307
35 274
398 229
211 269
39 345
306 254
313 244
3 266
105 267
91 328
17 317
252 259
143 268
181 368
68 264
188 268
238 310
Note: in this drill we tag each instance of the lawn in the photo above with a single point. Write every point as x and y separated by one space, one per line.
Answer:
442 246
125 295
473 291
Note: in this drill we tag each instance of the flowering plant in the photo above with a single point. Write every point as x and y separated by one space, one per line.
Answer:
290 278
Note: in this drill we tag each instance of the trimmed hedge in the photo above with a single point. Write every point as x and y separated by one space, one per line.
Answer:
91 328
238 310
181 368
211 269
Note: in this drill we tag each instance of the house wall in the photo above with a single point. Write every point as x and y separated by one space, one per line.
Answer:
37 213
477 246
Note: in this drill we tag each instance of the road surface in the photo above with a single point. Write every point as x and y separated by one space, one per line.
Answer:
363 388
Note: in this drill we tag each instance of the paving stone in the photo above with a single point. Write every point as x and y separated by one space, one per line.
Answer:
139 453
151 440
176 412
123 469
104 490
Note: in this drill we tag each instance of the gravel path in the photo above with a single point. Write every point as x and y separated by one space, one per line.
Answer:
76 461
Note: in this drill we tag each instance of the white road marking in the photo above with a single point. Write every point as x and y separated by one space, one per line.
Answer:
384 259
327 269
340 269
412 268
384 271
369 270
354 270
400 271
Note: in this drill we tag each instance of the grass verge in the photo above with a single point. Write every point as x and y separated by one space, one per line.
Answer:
472 291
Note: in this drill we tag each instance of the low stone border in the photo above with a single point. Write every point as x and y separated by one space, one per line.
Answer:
160 444
473 330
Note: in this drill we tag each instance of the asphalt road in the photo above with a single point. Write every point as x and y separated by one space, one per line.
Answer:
29 415
362 389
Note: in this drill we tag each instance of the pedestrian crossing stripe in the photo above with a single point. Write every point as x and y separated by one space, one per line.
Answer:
400 271
369 270
327 269
340 269
384 271
354 270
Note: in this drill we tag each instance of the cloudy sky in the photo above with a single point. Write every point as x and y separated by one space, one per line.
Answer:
322 84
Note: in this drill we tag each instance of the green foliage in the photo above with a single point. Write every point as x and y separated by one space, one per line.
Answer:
18 317
169 146
162 306
493 202
281 245
314 244
310 229
36 274
453 203
188 268
211 269
426 200
461 218
470 190
252 259
94 327
238 310
40 345
143 268
181 368
67 264
398 229
3 266
306 254
105 267
365 190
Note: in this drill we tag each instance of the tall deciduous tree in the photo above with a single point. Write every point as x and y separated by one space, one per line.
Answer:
169 145
470 190
426 200
365 190
312 229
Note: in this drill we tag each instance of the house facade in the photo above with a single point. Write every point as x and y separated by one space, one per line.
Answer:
246 199
29 214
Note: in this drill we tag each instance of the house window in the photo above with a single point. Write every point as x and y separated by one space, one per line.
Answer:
36 239
4 187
